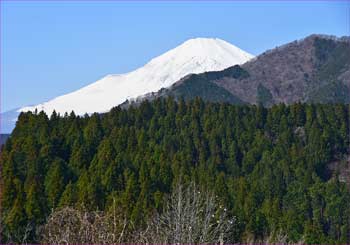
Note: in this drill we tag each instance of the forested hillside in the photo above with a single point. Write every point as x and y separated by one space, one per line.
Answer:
315 69
267 167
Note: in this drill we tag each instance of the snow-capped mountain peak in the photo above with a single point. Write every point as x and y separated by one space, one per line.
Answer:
193 56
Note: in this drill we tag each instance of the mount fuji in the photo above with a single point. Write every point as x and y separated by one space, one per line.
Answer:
193 56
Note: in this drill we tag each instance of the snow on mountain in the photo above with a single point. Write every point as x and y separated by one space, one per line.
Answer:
193 56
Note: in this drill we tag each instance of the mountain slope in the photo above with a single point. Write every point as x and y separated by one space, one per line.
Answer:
296 71
193 56
314 69
198 85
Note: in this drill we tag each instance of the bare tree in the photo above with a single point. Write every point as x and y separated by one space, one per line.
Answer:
277 237
72 226
191 216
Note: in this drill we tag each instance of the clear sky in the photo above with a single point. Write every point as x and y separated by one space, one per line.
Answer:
51 48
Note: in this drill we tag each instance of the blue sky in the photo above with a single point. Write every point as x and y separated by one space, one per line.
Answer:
51 48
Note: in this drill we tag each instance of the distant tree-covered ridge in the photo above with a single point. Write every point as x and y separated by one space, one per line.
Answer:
315 69
269 168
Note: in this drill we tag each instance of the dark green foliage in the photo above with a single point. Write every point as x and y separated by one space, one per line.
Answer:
332 56
264 96
235 71
324 48
332 60
55 181
203 86
199 86
267 166
332 92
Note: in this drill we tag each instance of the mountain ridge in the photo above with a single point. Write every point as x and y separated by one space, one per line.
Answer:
193 56
314 69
